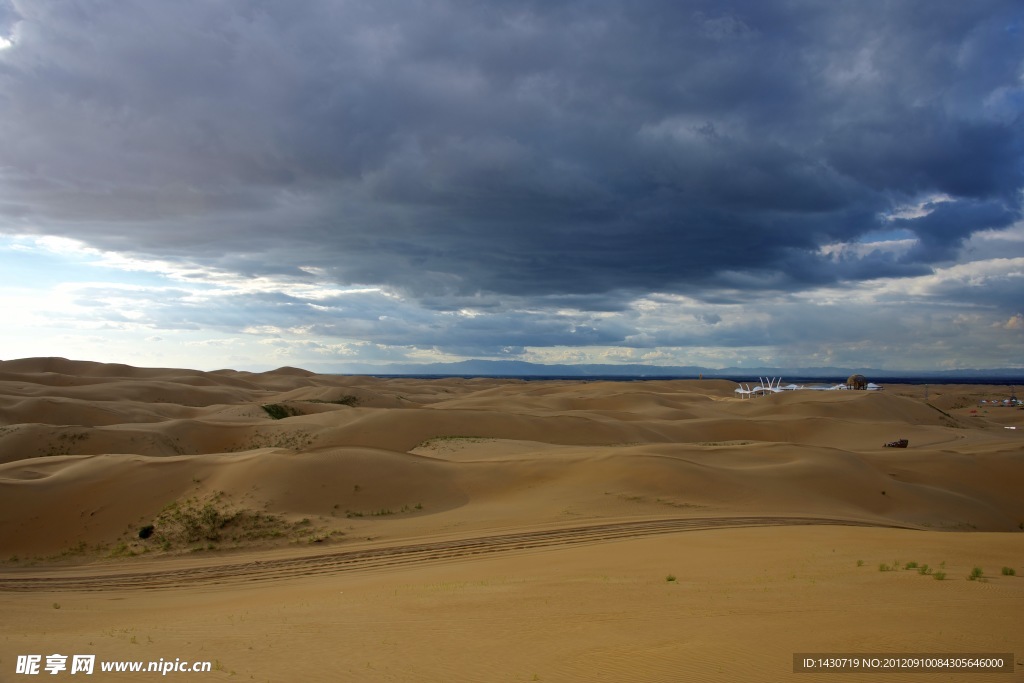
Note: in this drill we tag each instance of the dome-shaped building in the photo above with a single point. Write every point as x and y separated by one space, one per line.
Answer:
859 382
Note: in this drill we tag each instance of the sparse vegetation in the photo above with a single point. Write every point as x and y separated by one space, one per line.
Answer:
294 440
279 411
192 523
382 512
79 548
438 441
122 549
346 400
976 574
671 578
66 442
197 525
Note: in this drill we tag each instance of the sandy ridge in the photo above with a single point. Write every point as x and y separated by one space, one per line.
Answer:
478 530
401 555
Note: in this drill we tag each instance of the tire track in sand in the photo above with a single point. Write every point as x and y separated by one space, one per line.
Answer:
393 556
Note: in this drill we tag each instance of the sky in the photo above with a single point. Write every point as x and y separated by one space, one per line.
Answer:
327 183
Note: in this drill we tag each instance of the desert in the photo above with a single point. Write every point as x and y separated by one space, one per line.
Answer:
292 526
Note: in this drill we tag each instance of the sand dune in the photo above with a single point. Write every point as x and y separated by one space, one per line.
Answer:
689 444
231 467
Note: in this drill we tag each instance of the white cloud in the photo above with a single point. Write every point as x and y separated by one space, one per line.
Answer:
917 209
844 250
1015 322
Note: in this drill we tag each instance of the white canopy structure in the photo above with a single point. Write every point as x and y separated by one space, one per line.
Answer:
773 385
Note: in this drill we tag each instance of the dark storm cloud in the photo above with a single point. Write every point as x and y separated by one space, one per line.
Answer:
544 149
943 230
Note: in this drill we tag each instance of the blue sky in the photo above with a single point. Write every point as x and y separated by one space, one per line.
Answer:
250 184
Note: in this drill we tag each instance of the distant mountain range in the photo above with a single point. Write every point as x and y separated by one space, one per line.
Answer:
514 368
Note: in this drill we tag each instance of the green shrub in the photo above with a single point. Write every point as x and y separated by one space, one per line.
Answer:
190 523
1009 571
976 573
122 549
279 411
346 400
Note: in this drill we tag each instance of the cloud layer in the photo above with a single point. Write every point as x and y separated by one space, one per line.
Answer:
497 180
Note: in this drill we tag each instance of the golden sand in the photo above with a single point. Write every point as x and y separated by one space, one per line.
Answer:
499 530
